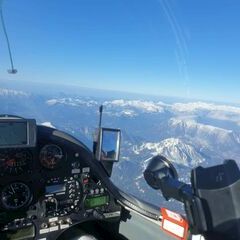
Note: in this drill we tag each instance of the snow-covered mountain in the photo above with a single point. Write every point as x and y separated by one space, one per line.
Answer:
189 110
12 93
76 102
47 124
223 142
174 149
137 105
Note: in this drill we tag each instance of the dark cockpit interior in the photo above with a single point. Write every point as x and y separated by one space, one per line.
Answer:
51 187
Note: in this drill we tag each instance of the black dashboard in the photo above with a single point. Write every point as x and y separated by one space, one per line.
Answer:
46 189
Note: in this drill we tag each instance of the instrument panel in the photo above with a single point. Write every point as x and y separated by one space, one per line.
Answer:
14 161
48 188
50 156
15 195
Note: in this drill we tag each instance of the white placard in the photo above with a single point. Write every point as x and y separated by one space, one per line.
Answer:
173 228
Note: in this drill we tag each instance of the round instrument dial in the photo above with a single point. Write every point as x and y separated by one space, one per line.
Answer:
14 161
15 196
51 156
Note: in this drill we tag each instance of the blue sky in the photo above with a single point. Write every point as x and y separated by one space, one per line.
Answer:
186 48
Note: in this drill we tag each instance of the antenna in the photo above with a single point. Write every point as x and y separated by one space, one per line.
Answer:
97 131
100 117
12 70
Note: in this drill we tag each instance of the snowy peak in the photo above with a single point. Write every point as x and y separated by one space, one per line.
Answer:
206 134
12 93
75 102
47 124
198 106
208 110
119 107
191 124
146 106
131 108
175 150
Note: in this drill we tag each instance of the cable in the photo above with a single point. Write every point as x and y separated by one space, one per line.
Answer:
12 70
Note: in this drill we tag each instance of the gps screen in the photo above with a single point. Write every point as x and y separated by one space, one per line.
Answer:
13 133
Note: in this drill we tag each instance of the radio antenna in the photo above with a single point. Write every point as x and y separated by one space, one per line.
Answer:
12 70
100 118
97 131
